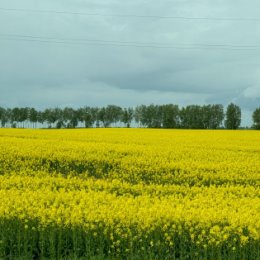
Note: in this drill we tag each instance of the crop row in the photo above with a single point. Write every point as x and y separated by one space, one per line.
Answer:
129 194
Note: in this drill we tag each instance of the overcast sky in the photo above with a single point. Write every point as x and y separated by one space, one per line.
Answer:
165 60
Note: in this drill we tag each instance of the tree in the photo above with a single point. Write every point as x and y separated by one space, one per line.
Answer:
33 116
153 115
113 114
170 116
15 116
19 115
102 117
67 114
150 116
3 116
51 115
233 116
24 115
139 115
94 111
201 117
217 116
40 117
85 115
7 116
212 116
71 117
58 116
127 116
256 119
109 115
192 117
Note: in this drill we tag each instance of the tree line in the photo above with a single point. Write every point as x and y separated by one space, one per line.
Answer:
147 116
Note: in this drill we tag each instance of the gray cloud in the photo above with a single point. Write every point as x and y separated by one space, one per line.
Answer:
48 74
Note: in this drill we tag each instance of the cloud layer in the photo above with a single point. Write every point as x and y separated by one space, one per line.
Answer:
37 73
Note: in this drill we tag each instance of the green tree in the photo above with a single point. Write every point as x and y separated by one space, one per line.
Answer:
233 116
102 117
7 116
256 119
192 117
40 117
139 115
71 117
33 116
212 116
217 116
170 116
110 115
3 117
153 115
24 115
15 116
127 116
50 116
94 111
85 115
58 117
113 114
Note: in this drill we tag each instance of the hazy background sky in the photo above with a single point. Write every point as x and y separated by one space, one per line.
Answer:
129 60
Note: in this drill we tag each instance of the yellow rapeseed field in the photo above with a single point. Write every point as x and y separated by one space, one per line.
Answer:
129 194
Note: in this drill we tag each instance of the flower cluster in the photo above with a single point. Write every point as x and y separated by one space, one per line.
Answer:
129 194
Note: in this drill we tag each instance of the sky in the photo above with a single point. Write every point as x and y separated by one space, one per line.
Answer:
58 53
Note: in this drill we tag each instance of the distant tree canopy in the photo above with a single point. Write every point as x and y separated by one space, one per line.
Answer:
202 117
256 119
150 116
233 116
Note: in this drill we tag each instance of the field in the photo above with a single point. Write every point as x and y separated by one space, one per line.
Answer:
129 194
